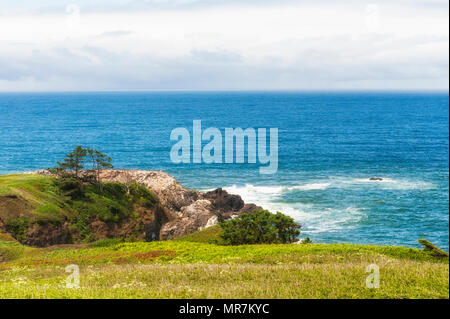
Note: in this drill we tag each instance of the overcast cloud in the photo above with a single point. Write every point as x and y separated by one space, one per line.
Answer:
220 45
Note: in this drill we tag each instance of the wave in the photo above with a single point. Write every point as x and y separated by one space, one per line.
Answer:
332 182
314 219
383 183
317 217
389 183
320 217
312 186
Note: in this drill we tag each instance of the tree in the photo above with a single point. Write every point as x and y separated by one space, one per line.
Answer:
99 161
128 180
260 227
74 161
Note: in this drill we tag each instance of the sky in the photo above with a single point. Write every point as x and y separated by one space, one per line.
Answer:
88 45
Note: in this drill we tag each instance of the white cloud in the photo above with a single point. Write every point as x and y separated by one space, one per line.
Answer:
273 46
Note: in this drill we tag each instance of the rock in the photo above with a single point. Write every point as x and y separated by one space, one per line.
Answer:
192 218
248 208
211 222
184 211
224 202
180 212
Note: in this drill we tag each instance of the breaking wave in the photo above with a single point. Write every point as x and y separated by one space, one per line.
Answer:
318 217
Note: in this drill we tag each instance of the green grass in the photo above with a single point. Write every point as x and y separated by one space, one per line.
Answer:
27 199
184 269
208 235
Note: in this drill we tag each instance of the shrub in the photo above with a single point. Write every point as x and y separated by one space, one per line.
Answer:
260 227
71 187
143 195
17 227
306 241
433 249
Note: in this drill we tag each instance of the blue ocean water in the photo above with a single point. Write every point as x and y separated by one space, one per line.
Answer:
330 144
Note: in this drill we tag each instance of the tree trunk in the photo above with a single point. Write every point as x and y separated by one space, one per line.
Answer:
100 186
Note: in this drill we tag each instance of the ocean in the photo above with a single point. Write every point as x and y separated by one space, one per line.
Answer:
330 145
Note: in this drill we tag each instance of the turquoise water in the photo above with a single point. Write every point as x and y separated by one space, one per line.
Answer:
330 144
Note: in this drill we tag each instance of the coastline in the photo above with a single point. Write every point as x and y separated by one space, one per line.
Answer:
195 265
185 211
174 211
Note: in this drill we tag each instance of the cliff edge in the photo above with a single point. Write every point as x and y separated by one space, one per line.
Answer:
39 209
185 210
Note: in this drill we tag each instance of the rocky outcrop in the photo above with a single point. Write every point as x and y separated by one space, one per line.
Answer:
178 211
185 210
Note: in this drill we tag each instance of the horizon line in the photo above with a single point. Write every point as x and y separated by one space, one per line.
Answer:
447 91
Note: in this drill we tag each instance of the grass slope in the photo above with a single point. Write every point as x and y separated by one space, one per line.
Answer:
185 269
27 199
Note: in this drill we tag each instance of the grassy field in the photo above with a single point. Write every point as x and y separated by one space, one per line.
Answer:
192 268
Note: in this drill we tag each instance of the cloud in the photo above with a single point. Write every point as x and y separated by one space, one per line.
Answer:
288 46
99 6
315 67
114 34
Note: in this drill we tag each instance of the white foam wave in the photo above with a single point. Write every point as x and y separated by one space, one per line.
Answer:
388 183
313 218
316 218
312 186
329 219
252 191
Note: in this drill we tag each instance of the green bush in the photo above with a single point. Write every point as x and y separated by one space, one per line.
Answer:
17 227
114 190
433 249
71 187
306 241
145 196
260 227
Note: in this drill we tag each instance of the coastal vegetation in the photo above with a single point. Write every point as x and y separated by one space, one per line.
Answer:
260 227
74 164
251 256
41 210
190 267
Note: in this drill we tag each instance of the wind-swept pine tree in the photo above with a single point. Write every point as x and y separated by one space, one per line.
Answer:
99 161
74 161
